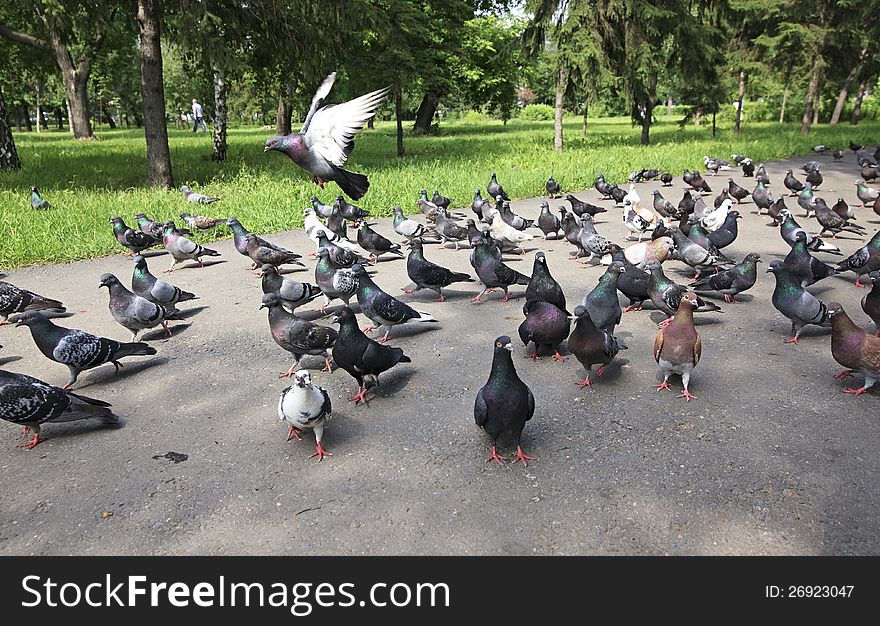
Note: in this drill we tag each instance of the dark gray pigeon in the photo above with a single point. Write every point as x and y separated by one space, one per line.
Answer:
427 275
493 189
864 260
552 188
376 244
144 284
263 255
737 279
542 286
800 306
382 309
546 325
504 404
591 345
30 403
832 222
77 349
792 184
602 303
134 312
633 282
548 223
135 240
296 335
806 268
666 294
448 229
491 271
326 139
736 192
871 302
293 293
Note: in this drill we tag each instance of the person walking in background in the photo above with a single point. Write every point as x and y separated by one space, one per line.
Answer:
197 117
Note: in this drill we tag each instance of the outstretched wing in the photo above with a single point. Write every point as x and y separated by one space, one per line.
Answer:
318 100
330 131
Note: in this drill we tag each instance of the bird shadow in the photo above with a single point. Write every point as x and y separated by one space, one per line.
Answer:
411 330
396 381
310 316
714 295
106 373
427 295
188 313
160 333
292 270
62 430
10 359
149 254
390 259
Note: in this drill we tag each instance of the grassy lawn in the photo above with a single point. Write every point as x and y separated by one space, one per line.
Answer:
88 182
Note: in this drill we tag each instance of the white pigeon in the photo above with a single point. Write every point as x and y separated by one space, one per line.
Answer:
715 220
314 227
504 233
638 221
305 406
633 197
658 249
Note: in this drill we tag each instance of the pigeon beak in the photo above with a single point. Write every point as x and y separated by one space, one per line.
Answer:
334 319
266 149
262 306
508 347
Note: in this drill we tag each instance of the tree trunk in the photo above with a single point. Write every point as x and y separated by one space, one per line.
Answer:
668 105
149 17
812 89
739 103
649 109
584 124
370 123
220 115
108 116
398 113
426 111
698 117
857 105
27 117
59 118
714 127
561 83
784 102
76 85
844 92
284 113
816 104
8 155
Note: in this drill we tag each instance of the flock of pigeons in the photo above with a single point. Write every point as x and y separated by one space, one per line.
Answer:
691 232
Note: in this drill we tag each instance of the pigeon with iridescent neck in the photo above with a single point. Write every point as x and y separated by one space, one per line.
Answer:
853 348
678 347
296 335
798 305
37 201
144 284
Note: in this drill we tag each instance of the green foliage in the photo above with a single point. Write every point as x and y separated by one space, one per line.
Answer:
536 112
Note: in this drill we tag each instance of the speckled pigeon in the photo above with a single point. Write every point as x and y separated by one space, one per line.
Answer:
383 309
737 279
864 260
334 280
293 293
183 249
135 240
16 300
296 335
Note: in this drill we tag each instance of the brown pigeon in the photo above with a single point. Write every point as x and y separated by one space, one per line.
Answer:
678 347
853 348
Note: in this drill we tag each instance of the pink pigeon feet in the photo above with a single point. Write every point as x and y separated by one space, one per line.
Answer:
585 382
327 367
289 372
730 299
360 396
558 357
294 432
320 453
687 395
521 456
855 392
844 374
633 307
495 456
32 443
440 298
506 297
663 385
664 323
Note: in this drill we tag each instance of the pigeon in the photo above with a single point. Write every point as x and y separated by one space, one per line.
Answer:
876 206
492 272
748 168
711 165
695 180
666 178
30 403
832 222
548 223
686 204
602 303
739 158
407 227
871 301
820 149
337 223
382 309
349 211
197 198
814 177
135 240
333 280
427 275
293 293
638 220
762 197
321 209
870 173
376 244
776 210
504 233
493 189
360 356
151 227
837 154
678 347
305 406
591 241
37 201
843 209
326 138
16 300
426 207
728 232
183 249
691 253
602 186
479 204
730 282
439 200
792 184
239 238
800 306
545 325
717 218
736 192
761 175
144 284
504 404
663 206
853 348
633 282
855 147
201 222
315 228
509 217
864 260
806 268
809 166
552 188
866 194
571 230
449 230
543 286
700 237
77 349
806 200
590 345
789 228
658 250
579 207
264 255
666 294
134 312
617 194
296 335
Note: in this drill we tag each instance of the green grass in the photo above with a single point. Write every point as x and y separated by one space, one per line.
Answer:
88 182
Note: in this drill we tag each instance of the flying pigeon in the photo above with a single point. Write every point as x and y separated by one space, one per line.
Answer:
296 335
196 198
545 325
427 275
77 349
504 404
360 356
382 309
144 284
730 282
326 138
183 249
305 406
29 402
543 286
800 306
132 311
37 201
491 271
853 348
678 347
552 188
493 189
548 223
590 345
16 300
293 293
